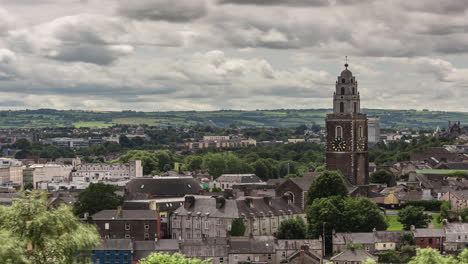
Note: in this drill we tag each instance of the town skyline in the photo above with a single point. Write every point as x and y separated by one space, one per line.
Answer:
207 55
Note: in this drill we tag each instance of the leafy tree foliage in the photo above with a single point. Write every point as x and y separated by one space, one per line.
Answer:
389 256
149 161
411 215
292 229
328 183
459 174
97 197
23 144
193 163
407 239
33 233
464 215
383 177
161 258
237 228
433 256
165 159
221 163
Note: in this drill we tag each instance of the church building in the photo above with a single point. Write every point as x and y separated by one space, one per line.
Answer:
347 135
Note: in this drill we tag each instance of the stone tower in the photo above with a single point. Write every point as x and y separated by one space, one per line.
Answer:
347 140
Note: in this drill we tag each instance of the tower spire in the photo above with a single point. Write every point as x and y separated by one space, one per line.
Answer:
346 62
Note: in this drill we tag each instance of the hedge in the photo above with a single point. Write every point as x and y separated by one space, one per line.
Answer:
429 205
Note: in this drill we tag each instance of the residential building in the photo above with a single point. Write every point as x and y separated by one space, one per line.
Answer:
221 142
49 173
227 181
294 190
99 172
11 175
352 256
67 142
456 237
429 237
127 224
294 251
113 251
10 162
371 241
215 248
458 199
212 217
142 249
249 250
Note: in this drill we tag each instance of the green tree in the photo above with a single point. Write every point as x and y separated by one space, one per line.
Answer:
216 189
226 162
407 239
389 256
37 234
464 215
237 228
28 186
97 197
412 215
193 162
459 174
23 144
328 183
383 177
433 256
149 161
165 159
125 142
292 229
162 258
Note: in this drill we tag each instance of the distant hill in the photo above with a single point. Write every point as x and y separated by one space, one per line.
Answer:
224 118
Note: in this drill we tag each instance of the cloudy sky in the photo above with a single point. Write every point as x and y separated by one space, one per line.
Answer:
231 54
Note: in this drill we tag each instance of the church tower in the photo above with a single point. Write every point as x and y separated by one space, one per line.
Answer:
347 141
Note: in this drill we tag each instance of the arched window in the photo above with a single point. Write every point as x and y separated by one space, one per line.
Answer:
342 90
355 107
343 80
353 90
351 80
338 132
341 107
361 131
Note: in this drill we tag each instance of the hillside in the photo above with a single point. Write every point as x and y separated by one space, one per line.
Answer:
258 118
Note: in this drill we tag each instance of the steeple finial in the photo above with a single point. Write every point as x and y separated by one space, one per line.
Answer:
346 62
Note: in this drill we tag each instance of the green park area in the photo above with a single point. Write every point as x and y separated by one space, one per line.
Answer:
92 124
395 225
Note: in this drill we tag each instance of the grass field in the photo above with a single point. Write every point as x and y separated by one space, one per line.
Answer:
437 171
92 124
394 225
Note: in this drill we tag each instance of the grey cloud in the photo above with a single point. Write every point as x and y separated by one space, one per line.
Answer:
277 2
435 6
168 10
103 55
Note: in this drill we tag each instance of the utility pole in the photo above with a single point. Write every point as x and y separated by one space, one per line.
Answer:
323 243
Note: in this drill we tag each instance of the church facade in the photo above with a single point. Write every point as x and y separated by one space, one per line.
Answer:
347 132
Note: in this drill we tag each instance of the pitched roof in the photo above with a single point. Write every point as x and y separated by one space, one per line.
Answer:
356 254
429 232
356 238
206 248
239 178
125 214
304 182
243 245
456 228
295 244
387 236
143 188
116 244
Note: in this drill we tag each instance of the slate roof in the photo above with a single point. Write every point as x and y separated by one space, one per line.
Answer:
387 236
239 178
353 255
292 244
144 188
116 244
125 214
456 228
456 165
356 238
206 248
304 182
429 232
276 182
247 245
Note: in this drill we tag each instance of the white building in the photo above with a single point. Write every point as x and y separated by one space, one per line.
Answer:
11 174
50 173
226 181
100 172
373 124
10 162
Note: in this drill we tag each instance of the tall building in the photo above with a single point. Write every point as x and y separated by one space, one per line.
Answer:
347 132
374 129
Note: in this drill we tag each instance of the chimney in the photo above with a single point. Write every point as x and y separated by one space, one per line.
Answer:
412 228
304 250
220 202
267 200
119 211
249 202
189 201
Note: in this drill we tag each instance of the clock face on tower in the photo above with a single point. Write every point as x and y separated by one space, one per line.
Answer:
338 145
361 144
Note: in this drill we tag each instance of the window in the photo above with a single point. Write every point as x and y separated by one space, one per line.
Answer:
236 256
269 256
384 245
127 235
146 236
430 240
361 131
338 132
343 80
106 226
146 226
355 107
342 90
353 90
207 226
127 226
341 107
221 260
283 254
188 235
